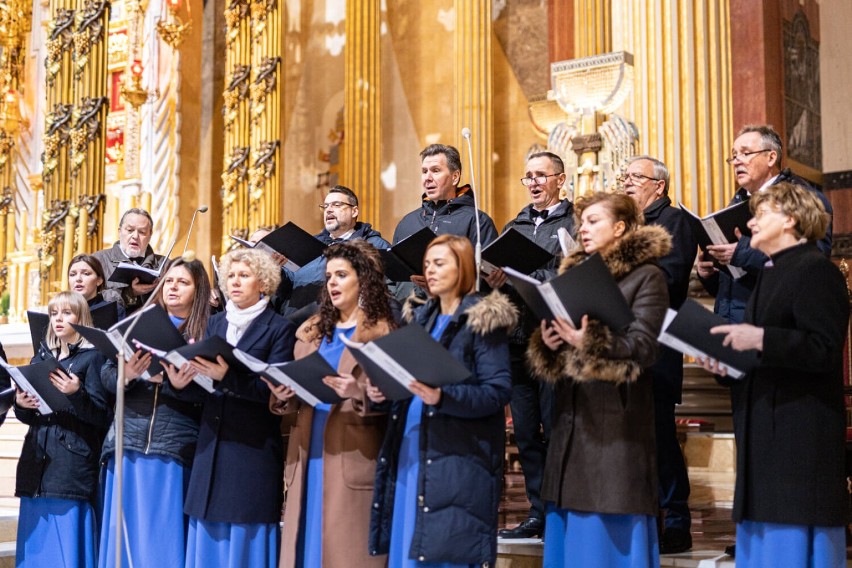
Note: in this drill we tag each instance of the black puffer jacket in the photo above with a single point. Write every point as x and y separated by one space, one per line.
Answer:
59 458
155 420
454 217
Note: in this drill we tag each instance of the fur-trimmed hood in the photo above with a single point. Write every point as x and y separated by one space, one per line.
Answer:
483 314
593 359
645 244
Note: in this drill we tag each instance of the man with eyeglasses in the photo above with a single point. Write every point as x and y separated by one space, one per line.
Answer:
340 217
134 235
756 159
532 400
646 181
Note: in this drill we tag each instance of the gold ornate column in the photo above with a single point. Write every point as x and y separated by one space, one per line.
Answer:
235 199
264 187
473 84
362 94
681 98
592 27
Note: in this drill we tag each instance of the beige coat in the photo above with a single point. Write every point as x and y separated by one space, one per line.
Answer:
351 445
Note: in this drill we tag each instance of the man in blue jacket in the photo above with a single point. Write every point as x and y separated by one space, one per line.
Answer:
647 182
756 159
340 217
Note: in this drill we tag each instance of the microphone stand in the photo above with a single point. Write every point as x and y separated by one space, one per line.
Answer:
478 249
202 209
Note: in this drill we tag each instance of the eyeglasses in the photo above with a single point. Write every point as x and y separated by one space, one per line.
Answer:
637 178
744 156
539 180
335 205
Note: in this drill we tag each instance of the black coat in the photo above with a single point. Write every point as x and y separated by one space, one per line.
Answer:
238 469
461 443
545 236
677 267
789 416
59 458
156 420
454 217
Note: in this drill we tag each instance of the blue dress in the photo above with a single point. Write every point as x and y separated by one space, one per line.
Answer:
309 551
44 527
575 538
405 493
144 515
790 546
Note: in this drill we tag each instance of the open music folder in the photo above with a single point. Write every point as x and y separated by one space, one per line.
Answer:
304 376
408 353
35 379
688 331
291 241
586 288
719 229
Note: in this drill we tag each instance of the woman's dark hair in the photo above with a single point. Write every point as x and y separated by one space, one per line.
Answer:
374 298
94 264
196 322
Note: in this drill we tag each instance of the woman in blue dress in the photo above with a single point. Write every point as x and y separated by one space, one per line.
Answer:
791 501
57 477
235 490
332 452
160 432
600 476
439 476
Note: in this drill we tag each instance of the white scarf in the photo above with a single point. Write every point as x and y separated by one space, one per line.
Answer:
240 319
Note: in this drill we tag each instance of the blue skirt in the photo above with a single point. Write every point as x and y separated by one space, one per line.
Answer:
231 545
405 495
57 533
593 539
790 546
309 551
155 526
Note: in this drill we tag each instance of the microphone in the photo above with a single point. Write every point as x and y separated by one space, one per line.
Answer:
202 209
478 249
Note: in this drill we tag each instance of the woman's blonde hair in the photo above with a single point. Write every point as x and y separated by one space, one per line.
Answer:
259 262
79 307
798 203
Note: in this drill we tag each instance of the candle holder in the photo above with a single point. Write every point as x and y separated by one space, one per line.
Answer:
131 87
173 30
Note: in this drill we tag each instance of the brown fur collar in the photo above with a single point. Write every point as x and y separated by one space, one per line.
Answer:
645 244
309 332
490 313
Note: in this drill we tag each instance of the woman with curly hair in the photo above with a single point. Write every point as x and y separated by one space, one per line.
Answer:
439 478
235 489
332 452
600 476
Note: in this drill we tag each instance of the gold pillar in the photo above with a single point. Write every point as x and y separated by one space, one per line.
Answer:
473 102
592 27
681 99
237 121
362 109
265 109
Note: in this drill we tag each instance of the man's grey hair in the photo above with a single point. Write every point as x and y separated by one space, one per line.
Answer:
136 211
661 172
769 138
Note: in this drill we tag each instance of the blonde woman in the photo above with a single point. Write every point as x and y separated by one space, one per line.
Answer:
57 477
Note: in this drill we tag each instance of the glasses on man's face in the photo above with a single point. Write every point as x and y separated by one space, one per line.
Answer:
335 205
638 178
538 180
744 157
